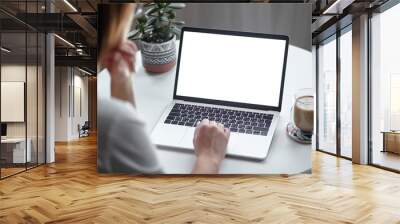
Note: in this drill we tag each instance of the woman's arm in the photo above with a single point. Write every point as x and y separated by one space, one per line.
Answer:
121 66
132 150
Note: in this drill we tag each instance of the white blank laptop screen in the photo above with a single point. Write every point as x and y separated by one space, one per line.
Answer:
231 68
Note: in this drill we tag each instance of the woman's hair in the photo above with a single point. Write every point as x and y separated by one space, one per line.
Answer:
114 21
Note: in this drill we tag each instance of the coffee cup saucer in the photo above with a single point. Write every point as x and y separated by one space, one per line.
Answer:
298 135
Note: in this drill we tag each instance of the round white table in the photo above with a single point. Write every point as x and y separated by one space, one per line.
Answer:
154 92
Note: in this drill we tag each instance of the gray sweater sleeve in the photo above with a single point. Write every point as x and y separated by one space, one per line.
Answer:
132 151
125 146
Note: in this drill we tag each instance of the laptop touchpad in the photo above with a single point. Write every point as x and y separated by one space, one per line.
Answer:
168 135
187 140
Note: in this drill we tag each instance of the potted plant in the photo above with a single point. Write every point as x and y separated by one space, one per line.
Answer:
156 31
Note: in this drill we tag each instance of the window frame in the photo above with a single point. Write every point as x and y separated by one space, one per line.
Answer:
346 26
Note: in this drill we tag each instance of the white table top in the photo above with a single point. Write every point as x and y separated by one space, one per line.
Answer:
13 140
154 92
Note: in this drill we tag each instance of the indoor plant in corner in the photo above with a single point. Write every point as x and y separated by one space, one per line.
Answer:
156 31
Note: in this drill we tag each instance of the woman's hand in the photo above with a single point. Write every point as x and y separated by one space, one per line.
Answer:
210 142
123 55
121 65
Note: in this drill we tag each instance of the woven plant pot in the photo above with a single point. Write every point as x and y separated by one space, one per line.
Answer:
158 57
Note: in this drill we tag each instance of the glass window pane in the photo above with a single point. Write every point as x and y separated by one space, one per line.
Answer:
327 96
22 63
31 97
385 84
41 98
346 94
13 86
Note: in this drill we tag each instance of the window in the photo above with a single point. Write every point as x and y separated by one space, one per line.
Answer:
385 89
346 92
22 79
327 95
335 94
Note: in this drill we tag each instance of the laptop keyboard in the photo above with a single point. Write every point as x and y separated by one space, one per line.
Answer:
237 121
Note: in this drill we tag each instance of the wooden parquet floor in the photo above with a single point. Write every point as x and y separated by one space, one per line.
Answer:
71 191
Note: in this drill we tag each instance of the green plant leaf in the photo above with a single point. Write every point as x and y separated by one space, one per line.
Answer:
158 23
139 14
142 19
171 14
164 18
148 30
146 5
150 21
133 33
178 23
151 10
177 5
176 30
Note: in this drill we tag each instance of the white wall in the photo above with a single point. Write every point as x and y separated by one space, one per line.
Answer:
61 103
79 117
70 83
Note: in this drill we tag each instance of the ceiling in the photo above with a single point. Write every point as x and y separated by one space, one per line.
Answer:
73 21
328 13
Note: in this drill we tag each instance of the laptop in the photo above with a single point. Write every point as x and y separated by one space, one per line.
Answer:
234 78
